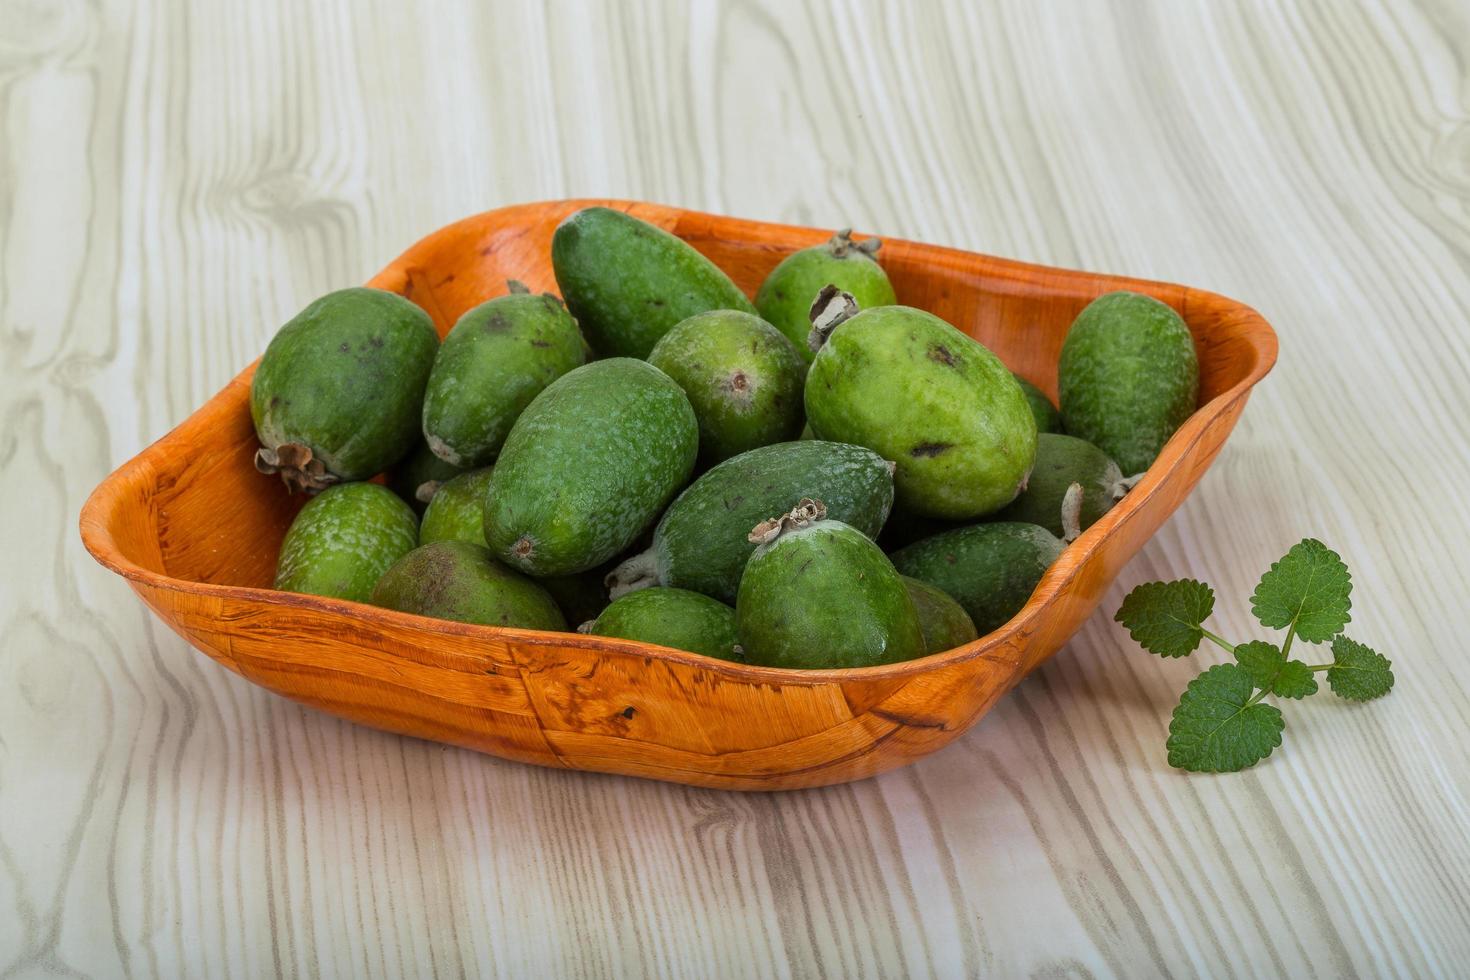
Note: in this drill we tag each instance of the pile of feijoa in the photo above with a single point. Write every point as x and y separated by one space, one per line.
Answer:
818 478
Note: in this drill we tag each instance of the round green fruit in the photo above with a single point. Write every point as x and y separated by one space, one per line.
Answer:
588 466
674 618
343 539
336 395
456 511
785 298
989 569
498 357
741 376
917 391
1128 377
817 594
459 581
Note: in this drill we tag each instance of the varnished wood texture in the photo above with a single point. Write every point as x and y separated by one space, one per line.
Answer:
178 179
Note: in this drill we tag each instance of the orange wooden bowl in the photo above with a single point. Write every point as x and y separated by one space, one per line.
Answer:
195 530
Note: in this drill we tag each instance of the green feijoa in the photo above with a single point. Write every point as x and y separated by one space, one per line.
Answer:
742 378
939 404
674 618
989 569
343 539
1062 463
628 283
1048 419
944 622
418 475
456 511
702 542
589 465
785 298
499 356
904 528
463 582
336 396
818 593
1128 377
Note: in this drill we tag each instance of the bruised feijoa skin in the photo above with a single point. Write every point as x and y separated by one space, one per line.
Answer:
456 511
336 395
344 539
417 476
1063 463
498 356
785 297
944 622
588 466
1128 377
628 283
460 581
674 618
742 377
818 593
989 569
915 390
1048 419
703 540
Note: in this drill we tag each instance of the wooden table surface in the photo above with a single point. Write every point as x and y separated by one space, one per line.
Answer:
177 179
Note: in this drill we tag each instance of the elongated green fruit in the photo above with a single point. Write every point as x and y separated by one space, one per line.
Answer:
818 593
785 298
456 511
944 622
917 391
702 542
989 569
343 539
628 283
742 378
499 356
460 581
1128 377
674 618
1048 419
588 466
336 396
1062 464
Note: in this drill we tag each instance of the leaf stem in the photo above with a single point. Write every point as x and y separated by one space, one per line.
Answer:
1320 666
1229 647
1290 635
1257 697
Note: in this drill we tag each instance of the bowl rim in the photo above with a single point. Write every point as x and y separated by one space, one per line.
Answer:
1250 327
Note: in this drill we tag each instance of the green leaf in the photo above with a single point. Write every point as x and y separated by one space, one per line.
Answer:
1165 617
1215 729
1358 672
1272 672
1308 588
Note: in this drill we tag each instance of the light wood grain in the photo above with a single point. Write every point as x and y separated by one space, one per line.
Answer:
177 179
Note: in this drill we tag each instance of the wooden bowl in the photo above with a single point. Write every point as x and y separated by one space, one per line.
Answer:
195 530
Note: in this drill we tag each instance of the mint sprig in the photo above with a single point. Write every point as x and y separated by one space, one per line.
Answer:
1221 724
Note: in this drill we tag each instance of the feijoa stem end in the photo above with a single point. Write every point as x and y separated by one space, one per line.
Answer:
829 310
638 572
1072 513
841 243
804 514
296 466
516 288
